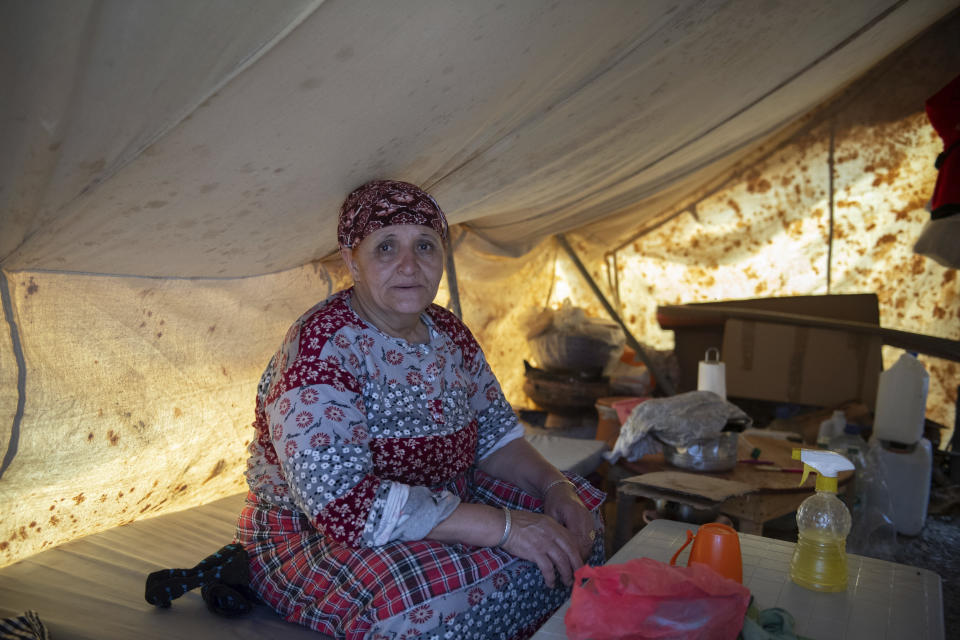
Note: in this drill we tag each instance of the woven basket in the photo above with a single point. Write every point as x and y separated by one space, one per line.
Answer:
557 351
560 396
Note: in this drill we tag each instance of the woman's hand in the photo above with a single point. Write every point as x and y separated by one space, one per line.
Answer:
544 541
563 505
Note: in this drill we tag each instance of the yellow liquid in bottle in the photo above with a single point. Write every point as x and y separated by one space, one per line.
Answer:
820 562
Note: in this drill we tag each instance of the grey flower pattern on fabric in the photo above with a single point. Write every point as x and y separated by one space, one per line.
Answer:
344 412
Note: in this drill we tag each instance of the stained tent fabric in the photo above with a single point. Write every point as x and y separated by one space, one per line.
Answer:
172 171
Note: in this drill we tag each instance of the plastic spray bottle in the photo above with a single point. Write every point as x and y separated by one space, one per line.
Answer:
820 557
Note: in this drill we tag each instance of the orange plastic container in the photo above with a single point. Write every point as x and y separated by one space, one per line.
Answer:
717 546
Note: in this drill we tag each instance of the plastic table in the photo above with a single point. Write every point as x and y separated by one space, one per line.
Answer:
883 600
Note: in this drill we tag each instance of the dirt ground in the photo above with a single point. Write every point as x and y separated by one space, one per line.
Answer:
937 548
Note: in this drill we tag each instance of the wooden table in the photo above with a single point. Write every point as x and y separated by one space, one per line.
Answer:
751 495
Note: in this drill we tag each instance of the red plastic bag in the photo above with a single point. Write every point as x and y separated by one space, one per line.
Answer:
644 598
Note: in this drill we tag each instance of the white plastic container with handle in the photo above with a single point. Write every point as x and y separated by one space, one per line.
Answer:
902 401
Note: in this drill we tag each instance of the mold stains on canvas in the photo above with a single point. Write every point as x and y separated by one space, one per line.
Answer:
759 186
113 437
736 207
918 265
916 204
885 239
32 287
217 470
77 499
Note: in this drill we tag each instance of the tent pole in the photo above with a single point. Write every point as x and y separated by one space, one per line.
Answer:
17 348
452 280
830 168
662 383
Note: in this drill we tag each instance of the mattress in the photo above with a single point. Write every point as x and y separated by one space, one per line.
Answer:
93 587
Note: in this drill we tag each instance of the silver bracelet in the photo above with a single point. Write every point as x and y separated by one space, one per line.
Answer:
506 526
555 483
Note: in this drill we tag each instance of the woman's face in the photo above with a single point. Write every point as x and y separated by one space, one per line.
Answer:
397 270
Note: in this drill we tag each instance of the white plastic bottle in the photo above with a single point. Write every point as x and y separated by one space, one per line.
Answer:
902 401
848 443
908 469
832 426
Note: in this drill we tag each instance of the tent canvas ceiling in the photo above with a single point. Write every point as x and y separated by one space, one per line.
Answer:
172 171
163 138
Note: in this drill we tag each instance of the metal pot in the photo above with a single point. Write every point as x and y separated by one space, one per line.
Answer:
681 512
714 453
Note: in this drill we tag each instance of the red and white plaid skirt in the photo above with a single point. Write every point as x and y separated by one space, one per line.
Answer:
403 590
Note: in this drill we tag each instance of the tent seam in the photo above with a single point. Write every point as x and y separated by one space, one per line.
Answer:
99 274
17 347
738 113
825 112
566 97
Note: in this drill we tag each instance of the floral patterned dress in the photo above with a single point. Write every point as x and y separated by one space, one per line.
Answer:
364 442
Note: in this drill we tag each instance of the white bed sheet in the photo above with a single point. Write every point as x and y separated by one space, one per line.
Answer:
93 587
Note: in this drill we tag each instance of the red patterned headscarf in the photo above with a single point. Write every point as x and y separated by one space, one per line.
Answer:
382 203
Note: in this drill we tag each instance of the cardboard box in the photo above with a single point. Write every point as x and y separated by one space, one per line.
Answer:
798 364
782 362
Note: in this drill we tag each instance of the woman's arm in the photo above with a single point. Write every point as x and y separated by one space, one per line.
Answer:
517 461
531 536
520 463
558 541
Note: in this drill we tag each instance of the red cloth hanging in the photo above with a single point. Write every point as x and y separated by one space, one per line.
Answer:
943 111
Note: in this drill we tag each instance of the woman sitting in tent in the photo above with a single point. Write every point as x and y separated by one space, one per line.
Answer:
392 494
